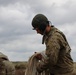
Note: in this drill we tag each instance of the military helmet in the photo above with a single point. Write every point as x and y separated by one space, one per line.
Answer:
40 21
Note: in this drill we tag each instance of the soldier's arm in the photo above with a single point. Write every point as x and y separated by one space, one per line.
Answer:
52 51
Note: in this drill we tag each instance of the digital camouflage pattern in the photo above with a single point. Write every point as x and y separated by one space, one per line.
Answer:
6 66
58 59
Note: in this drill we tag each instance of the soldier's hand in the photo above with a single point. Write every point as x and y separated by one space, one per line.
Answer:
38 56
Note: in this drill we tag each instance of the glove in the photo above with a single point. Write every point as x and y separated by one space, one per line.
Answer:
38 56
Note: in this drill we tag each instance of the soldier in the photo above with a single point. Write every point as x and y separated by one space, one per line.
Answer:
6 66
58 61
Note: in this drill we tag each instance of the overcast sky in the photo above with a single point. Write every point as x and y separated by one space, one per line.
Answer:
17 39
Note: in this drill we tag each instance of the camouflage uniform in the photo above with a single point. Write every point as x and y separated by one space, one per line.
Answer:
6 67
2 67
58 59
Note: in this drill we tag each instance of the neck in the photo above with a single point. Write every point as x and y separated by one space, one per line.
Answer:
48 28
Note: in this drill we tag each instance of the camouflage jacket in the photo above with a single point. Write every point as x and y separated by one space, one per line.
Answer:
6 66
58 59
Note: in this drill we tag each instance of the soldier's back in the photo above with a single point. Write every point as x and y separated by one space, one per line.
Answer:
6 66
10 68
2 67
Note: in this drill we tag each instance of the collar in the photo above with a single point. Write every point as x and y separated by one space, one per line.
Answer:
45 36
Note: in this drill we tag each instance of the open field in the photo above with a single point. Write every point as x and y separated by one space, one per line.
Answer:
21 67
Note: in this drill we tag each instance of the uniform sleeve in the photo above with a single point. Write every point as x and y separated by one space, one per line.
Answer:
52 51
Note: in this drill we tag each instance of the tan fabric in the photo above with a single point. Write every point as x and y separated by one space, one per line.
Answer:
72 73
6 66
9 67
58 52
64 74
31 67
2 67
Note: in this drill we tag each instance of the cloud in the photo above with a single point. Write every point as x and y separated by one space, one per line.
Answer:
16 35
13 21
